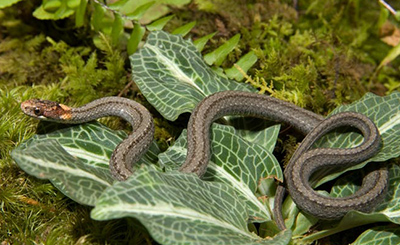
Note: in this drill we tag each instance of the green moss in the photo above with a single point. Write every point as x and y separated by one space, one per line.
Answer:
318 59
23 62
87 75
30 208
40 60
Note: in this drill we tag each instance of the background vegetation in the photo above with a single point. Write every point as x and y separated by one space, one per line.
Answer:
317 54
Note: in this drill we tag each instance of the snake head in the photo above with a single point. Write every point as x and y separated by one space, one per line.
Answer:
46 110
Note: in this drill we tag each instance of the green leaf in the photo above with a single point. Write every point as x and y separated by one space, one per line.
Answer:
179 208
351 220
199 43
397 16
390 207
387 211
62 12
176 2
80 14
217 56
48 160
139 11
383 16
51 5
173 77
236 162
116 5
135 38
159 24
73 4
55 9
379 235
117 29
256 130
158 10
244 63
75 159
7 3
303 223
385 112
97 17
185 29
393 54
291 212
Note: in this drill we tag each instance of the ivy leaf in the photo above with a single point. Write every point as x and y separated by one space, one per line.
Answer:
173 76
179 208
75 159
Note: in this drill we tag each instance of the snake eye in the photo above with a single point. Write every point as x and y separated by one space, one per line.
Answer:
37 111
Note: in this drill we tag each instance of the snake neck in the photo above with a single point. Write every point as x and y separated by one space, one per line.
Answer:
132 112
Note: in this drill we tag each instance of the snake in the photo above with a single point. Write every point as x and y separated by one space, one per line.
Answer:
305 161
126 153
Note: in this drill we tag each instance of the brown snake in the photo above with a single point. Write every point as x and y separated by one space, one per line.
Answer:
302 165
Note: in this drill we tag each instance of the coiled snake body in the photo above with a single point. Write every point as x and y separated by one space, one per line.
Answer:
302 165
